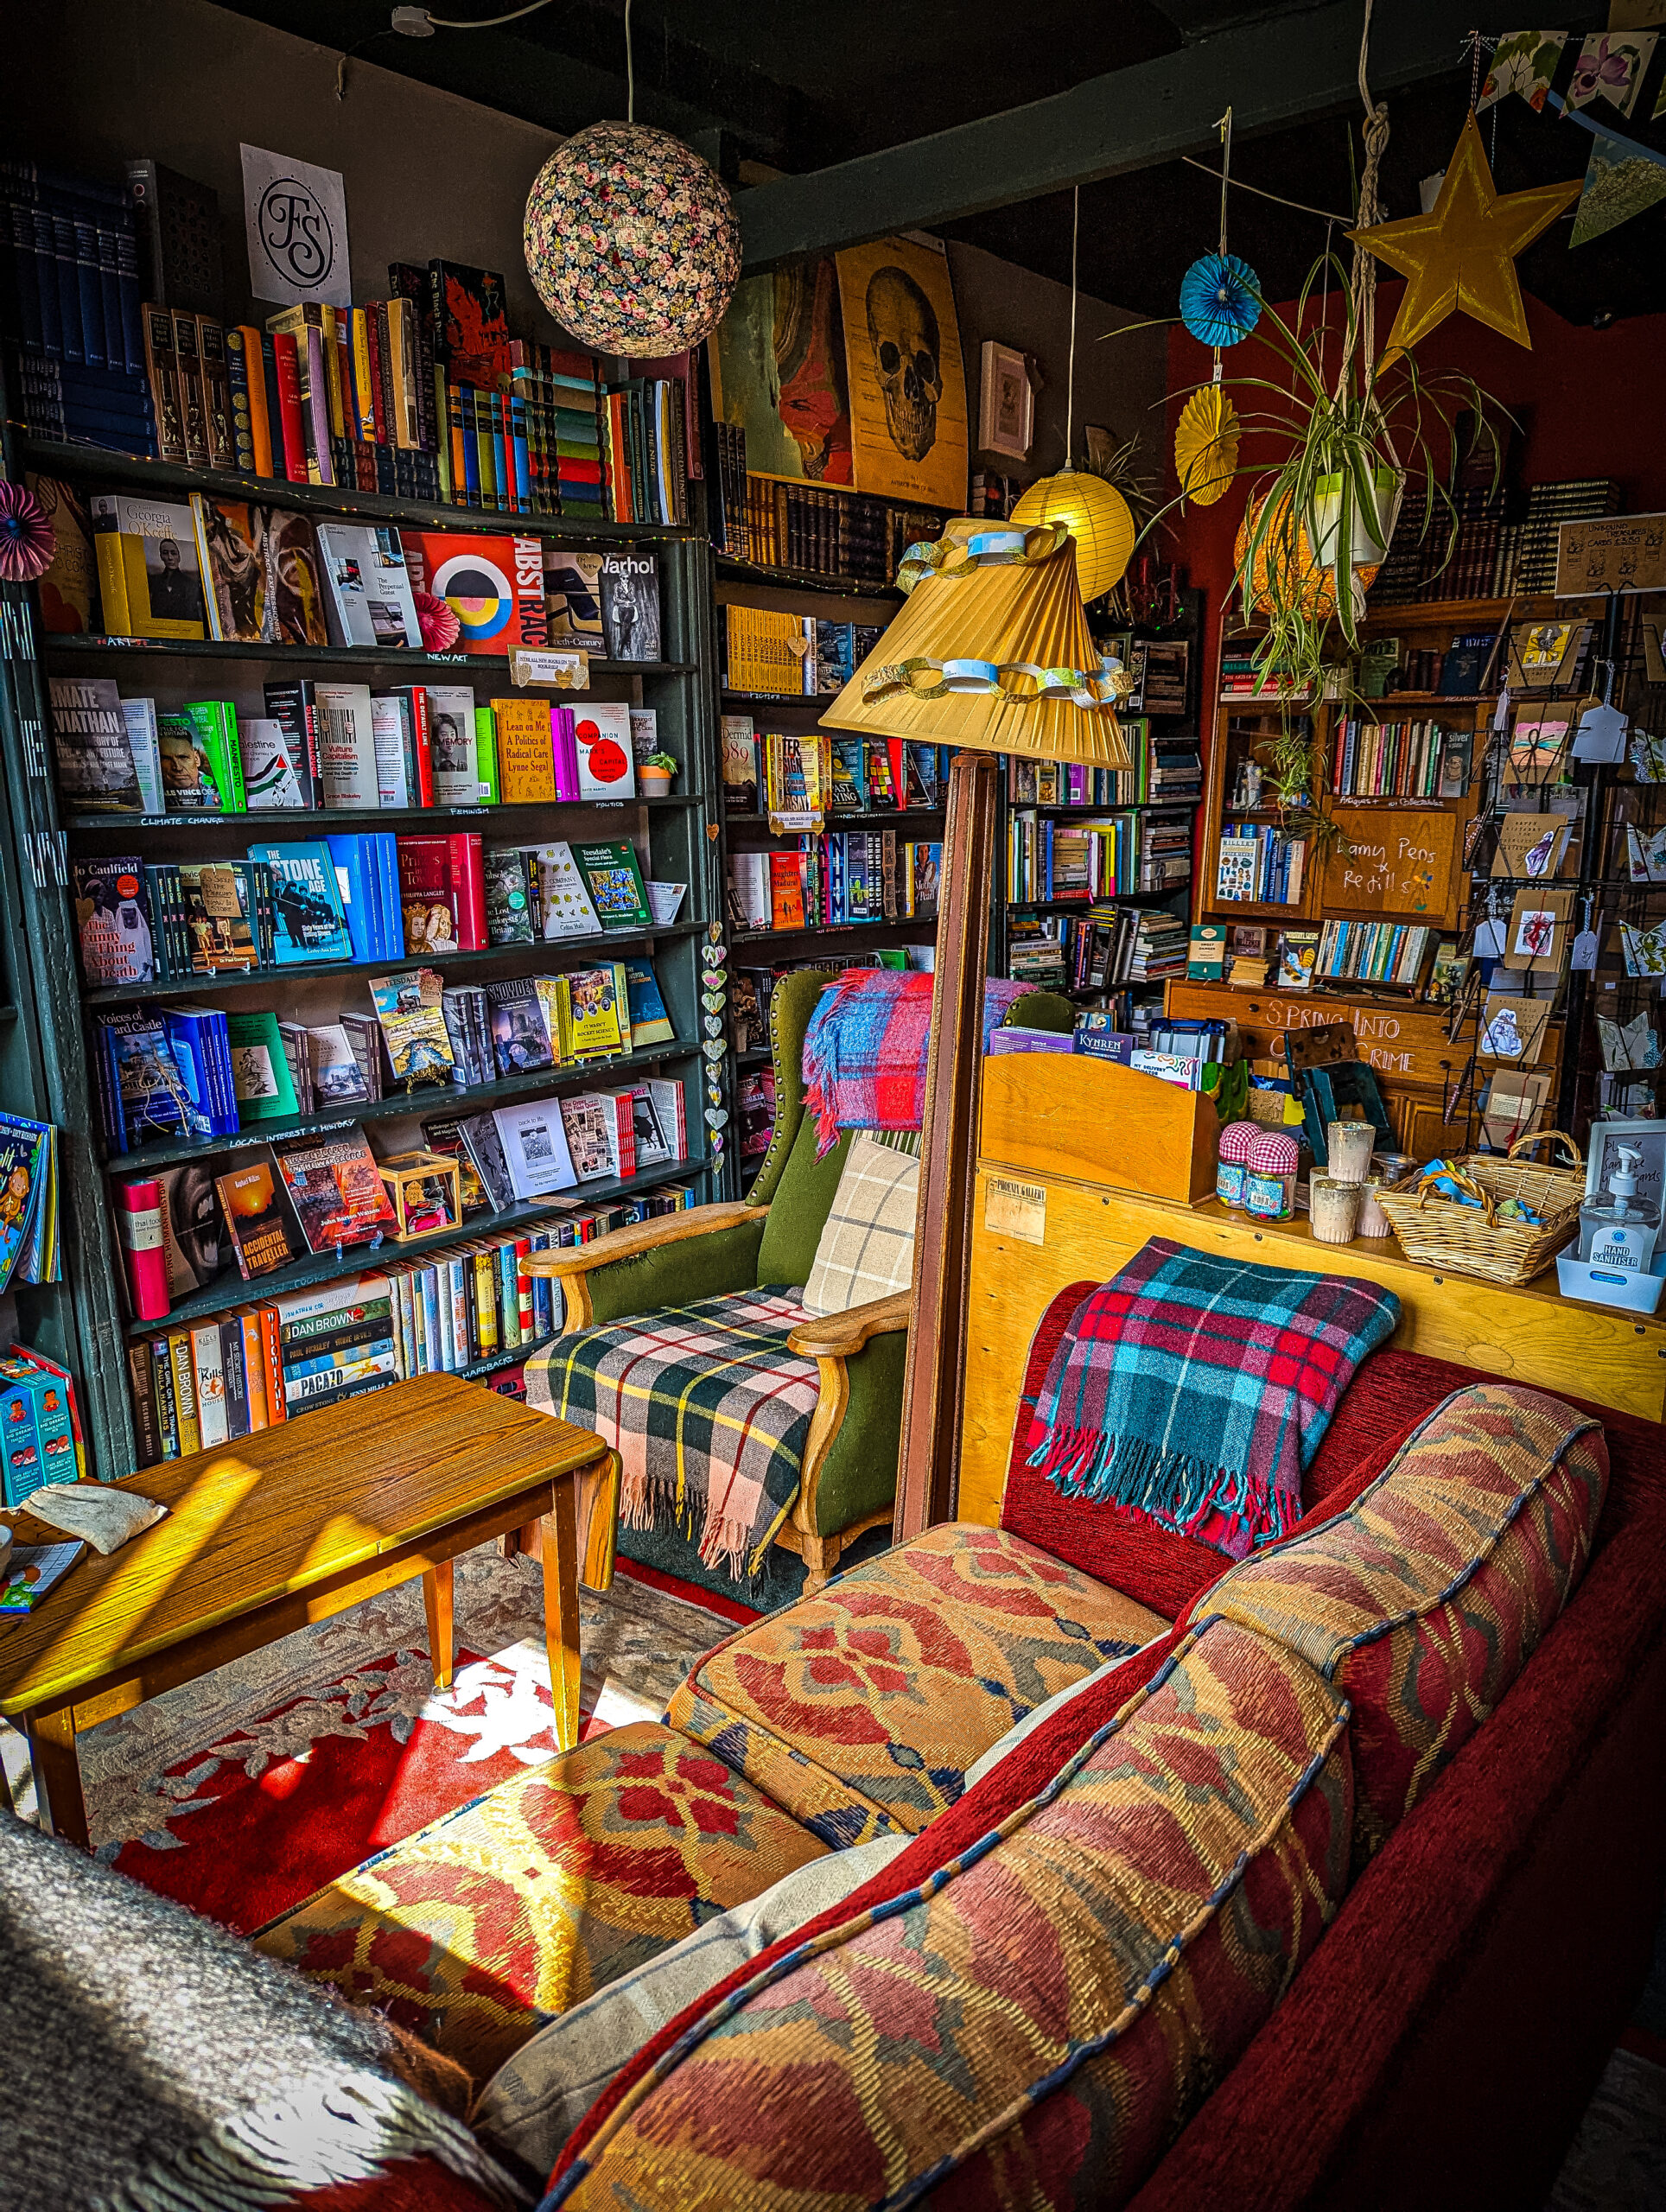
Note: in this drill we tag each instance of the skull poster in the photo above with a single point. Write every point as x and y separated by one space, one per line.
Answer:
906 378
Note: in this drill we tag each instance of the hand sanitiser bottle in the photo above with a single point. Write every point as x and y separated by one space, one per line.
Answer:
1617 1228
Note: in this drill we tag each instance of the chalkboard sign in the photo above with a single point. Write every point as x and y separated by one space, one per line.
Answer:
1401 863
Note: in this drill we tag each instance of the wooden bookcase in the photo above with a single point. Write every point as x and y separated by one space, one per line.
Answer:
85 1321
1420 1059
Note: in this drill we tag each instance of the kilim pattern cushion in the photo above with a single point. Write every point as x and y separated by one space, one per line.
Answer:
708 1411
1423 1601
1041 2018
867 1247
860 1709
476 1930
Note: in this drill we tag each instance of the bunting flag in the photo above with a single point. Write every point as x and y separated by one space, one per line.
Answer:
1523 62
1610 66
1622 180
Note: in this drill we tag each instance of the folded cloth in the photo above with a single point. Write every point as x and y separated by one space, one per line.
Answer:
1191 1391
106 1517
866 1048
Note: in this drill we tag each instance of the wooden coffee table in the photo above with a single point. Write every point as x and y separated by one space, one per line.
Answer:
293 1525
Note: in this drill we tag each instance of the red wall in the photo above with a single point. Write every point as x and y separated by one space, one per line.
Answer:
1582 396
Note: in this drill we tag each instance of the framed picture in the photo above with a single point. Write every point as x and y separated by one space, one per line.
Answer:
1005 405
1649 1140
907 386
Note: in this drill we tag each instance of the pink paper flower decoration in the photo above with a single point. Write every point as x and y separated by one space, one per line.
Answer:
28 541
439 626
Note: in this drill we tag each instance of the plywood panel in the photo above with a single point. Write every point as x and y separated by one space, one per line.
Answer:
1065 1114
1397 862
1533 1336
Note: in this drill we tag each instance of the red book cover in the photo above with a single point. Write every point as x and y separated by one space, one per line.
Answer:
515 491
786 891
467 887
288 403
495 585
471 323
421 737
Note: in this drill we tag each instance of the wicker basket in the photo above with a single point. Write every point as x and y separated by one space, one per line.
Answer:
1463 1240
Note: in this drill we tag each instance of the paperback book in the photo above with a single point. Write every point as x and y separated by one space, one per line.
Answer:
336 1191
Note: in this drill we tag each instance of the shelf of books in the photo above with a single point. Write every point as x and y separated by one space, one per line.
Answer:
1435 910
1098 860
365 869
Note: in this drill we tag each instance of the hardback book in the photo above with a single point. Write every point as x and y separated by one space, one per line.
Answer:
337 1077
454 745
427 898
613 878
260 564
470 317
257 1218
606 766
493 585
274 775
336 1190
740 765
1234 875
89 735
144 743
630 603
260 1070
149 574
649 1023
311 924
368 589
112 918
414 773
565 904
535 1148
347 746
408 1007
572 599
520 1031
508 895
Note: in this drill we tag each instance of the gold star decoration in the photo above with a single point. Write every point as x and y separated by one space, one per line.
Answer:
1462 254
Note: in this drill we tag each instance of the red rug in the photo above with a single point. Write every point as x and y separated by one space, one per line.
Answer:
263 1812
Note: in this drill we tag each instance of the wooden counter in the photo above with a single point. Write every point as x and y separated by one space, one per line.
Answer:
1035 1229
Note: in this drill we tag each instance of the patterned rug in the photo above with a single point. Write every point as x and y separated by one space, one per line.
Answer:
242 1792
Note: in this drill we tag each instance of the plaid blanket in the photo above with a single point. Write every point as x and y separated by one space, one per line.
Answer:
705 1406
1192 1390
866 1045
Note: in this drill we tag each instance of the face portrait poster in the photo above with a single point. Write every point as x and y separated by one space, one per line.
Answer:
907 382
297 219
778 373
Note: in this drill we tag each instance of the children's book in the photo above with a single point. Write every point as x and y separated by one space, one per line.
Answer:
31 1571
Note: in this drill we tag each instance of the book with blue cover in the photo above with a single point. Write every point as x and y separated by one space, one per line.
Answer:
311 923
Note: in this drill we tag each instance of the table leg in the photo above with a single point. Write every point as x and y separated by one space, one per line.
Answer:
436 1603
58 1774
558 1542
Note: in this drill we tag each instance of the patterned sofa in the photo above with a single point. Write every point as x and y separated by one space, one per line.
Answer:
1244 1914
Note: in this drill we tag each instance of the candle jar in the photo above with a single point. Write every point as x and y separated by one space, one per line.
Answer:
1349 1144
1232 1155
1333 1208
1373 1221
1269 1176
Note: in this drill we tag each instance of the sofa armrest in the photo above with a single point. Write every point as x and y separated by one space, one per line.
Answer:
642 1237
841 1336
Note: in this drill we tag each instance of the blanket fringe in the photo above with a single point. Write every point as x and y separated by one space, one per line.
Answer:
1174 1488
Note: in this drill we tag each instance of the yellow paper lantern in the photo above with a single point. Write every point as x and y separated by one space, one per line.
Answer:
1206 446
1096 515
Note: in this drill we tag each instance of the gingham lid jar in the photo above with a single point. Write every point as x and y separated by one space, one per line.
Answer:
1231 1154
1269 1176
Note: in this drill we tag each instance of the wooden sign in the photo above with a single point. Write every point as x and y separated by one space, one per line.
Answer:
1401 863
1611 553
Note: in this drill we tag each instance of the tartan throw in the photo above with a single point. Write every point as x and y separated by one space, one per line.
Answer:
864 1061
708 1411
867 1247
1192 1390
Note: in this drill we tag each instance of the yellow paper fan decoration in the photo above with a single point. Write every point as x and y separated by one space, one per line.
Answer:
1206 446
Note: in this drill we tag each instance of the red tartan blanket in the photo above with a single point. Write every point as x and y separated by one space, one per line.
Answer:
866 1048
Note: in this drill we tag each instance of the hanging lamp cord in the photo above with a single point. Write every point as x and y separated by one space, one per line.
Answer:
1371 210
1070 379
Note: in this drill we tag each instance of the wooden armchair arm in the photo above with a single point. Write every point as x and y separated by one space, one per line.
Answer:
642 1237
841 1335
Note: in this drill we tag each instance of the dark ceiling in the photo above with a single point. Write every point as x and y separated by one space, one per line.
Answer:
797 84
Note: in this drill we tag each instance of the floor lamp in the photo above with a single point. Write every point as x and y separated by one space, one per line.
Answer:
990 654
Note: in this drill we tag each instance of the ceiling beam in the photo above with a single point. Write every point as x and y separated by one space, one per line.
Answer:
1271 73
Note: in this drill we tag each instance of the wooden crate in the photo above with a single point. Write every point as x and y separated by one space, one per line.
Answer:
1065 1114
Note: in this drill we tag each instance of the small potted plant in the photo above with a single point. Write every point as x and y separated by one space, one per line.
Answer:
655 773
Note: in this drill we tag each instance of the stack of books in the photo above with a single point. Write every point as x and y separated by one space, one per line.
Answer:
1259 865
1529 553
1374 952
841 876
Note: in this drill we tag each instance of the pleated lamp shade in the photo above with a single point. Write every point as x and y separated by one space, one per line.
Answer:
979 639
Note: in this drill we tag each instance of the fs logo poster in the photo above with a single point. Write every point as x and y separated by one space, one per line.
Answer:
297 219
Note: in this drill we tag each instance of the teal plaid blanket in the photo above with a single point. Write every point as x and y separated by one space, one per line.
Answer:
708 1411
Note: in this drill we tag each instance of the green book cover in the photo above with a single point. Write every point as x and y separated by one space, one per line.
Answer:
615 880
213 723
486 755
260 1068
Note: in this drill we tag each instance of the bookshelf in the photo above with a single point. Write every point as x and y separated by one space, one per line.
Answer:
93 1327
1421 770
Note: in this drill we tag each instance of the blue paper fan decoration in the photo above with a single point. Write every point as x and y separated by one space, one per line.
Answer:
1219 299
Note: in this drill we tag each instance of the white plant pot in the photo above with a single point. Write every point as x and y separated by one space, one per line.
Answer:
1372 524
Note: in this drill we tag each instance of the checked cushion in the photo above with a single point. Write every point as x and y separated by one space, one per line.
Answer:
478 1929
1424 1600
860 1709
1035 2022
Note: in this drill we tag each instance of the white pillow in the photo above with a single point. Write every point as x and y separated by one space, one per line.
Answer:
536 2097
867 1247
